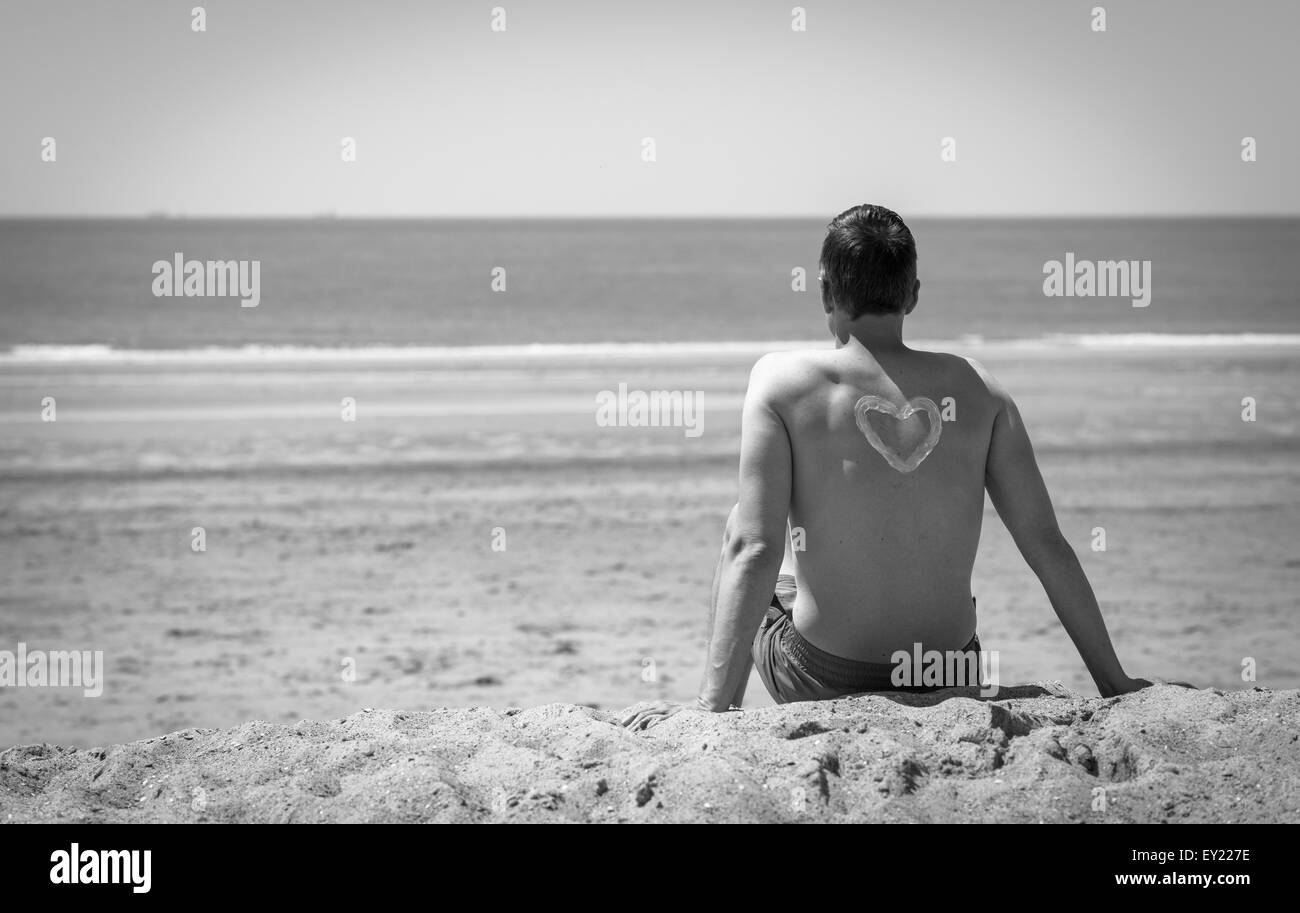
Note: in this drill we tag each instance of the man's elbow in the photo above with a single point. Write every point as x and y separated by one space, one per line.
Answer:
1047 550
752 549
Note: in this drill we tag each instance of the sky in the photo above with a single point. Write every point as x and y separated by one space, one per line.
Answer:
748 116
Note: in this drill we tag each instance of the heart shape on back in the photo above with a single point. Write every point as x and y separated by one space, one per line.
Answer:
914 406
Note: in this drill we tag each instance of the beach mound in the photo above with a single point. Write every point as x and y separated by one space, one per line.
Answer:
1036 753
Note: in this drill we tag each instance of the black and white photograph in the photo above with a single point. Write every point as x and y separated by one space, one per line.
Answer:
621 413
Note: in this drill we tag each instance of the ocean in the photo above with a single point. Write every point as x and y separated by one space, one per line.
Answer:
337 283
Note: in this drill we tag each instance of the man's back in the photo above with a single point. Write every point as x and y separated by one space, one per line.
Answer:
889 542
879 456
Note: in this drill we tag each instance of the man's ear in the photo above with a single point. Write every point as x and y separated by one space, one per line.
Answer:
916 296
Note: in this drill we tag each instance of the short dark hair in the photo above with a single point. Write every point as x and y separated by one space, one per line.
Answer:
868 261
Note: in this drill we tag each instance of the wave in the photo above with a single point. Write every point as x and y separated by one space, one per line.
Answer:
99 354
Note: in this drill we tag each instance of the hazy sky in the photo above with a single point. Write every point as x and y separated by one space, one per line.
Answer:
748 116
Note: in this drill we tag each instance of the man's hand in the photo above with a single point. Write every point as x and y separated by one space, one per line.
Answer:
648 713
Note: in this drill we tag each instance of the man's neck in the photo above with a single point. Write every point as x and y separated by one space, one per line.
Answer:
876 334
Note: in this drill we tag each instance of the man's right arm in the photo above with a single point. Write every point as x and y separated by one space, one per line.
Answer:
1016 488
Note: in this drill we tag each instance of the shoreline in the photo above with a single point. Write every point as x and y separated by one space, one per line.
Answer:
96 354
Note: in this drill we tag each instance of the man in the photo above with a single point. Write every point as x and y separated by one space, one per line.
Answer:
879 455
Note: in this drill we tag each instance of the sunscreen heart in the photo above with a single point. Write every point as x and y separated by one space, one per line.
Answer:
918 404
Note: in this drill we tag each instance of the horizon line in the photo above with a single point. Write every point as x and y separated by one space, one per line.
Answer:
615 217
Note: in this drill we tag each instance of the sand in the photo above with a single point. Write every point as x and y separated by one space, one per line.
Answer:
1036 753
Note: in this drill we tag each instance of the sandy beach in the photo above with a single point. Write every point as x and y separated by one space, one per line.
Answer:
371 395
1037 754
352 564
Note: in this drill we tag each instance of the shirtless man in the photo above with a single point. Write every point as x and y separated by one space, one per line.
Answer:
880 454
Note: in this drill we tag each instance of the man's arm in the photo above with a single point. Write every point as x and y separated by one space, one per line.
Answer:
1016 488
751 556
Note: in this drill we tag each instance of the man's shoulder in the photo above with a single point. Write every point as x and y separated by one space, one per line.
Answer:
962 370
787 360
983 378
961 364
788 372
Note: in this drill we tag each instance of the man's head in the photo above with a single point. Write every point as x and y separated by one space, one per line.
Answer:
868 263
